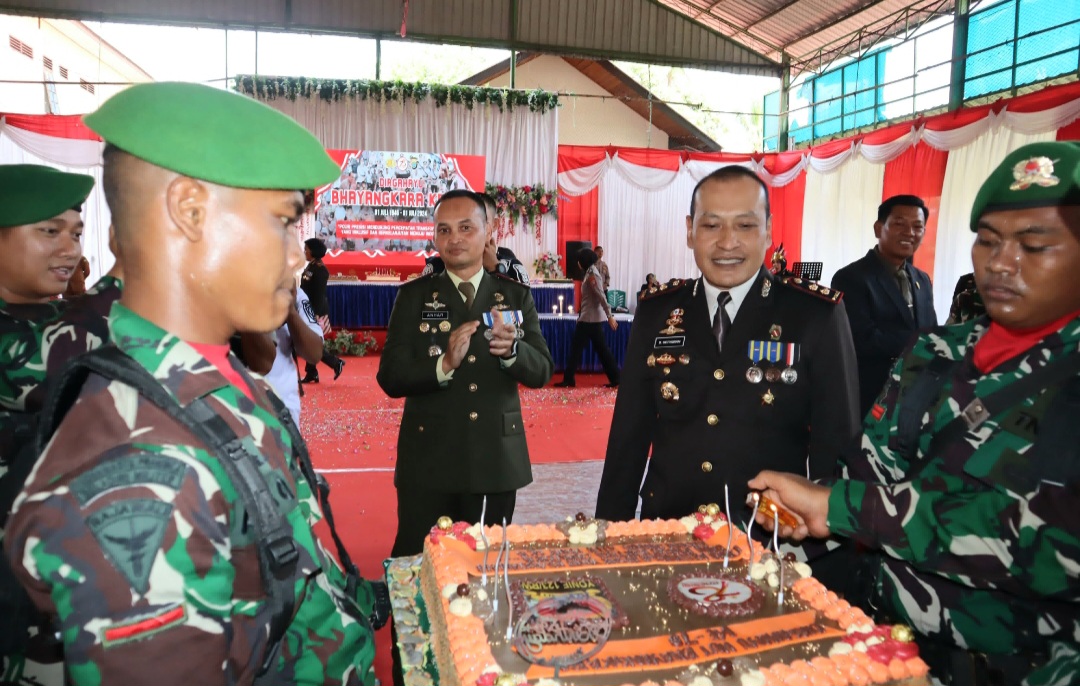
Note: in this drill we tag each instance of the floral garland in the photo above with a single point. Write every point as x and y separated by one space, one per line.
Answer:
332 90
527 205
345 342
547 266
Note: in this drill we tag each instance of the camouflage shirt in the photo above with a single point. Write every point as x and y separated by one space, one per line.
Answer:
134 537
978 550
35 341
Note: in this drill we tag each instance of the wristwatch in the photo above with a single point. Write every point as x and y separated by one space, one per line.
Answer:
513 352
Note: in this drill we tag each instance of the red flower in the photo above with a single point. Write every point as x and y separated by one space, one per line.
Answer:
468 540
527 189
487 679
703 532
459 528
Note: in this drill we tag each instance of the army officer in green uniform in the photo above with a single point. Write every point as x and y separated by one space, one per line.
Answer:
967 481
458 345
130 530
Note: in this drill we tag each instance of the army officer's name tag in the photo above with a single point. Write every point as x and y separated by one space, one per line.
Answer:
436 315
664 342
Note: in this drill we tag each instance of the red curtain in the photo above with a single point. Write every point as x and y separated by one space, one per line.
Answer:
1070 132
579 219
919 171
55 125
786 203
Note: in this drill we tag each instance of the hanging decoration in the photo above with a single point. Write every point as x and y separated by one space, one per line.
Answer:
332 90
525 205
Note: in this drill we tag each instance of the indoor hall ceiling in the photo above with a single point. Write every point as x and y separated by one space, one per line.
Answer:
737 36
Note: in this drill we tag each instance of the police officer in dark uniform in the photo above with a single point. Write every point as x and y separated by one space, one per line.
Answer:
729 372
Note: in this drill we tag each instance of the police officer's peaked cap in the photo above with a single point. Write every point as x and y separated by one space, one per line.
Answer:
32 193
214 135
1035 175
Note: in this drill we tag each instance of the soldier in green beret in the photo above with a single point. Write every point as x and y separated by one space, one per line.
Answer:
968 478
130 530
41 230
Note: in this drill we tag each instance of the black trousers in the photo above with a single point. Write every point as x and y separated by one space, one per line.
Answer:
583 333
328 358
420 508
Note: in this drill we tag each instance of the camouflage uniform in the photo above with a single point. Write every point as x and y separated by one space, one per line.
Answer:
972 555
967 304
133 535
35 341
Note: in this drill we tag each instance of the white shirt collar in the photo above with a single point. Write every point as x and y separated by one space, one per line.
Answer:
474 280
738 295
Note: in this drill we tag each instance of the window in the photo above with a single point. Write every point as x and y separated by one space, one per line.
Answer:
20 47
86 86
47 62
63 72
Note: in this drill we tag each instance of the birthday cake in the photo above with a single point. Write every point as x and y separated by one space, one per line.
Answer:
678 602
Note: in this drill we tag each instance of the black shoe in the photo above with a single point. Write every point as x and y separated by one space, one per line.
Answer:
611 385
565 384
313 377
338 368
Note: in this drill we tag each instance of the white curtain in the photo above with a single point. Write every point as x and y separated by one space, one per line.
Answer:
839 211
965 172
644 231
521 146
78 156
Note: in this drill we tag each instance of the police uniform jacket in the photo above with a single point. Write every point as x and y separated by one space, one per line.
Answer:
710 425
466 435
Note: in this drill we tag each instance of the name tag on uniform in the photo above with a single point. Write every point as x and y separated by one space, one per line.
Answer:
664 342
436 315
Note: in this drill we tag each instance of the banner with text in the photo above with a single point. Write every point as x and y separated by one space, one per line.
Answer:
377 217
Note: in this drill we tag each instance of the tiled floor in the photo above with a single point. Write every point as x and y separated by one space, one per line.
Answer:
559 490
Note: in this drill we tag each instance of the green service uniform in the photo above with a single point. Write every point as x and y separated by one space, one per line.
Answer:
133 536
465 436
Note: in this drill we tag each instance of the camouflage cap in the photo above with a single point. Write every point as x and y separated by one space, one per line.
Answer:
32 193
214 135
1034 175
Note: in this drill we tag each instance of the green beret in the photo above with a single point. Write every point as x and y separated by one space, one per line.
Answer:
214 135
32 193
1034 175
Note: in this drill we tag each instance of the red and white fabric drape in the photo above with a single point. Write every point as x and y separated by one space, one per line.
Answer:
824 199
65 143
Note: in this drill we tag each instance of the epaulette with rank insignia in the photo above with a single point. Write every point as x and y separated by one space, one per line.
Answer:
423 276
813 288
669 287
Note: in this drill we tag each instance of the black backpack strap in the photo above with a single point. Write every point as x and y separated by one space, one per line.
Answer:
278 553
916 401
1056 451
980 409
316 481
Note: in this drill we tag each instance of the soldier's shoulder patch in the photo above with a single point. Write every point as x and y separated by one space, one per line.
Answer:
813 288
309 312
672 286
130 533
